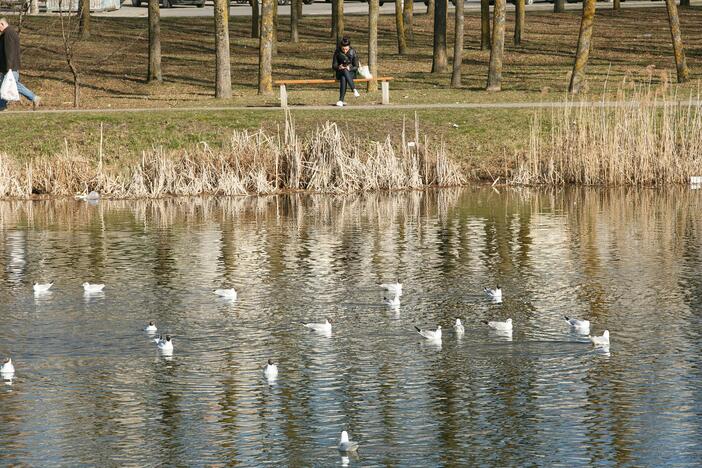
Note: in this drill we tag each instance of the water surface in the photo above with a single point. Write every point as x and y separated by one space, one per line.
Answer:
91 389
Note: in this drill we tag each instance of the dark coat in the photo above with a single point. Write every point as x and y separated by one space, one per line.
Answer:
341 58
9 50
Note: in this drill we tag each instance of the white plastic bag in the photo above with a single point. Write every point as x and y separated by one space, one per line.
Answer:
364 71
8 89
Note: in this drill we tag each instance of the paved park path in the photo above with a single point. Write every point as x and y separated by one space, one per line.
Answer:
371 107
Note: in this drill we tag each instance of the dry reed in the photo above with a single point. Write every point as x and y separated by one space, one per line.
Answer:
327 161
647 138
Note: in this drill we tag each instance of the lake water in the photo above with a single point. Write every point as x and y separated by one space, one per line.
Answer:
91 389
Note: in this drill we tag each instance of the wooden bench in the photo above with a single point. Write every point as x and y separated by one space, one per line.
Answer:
384 86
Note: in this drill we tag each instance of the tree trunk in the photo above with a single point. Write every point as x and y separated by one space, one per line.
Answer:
294 20
431 6
373 6
223 78
518 22
274 47
76 83
678 51
440 59
583 51
299 9
559 6
34 7
154 71
84 24
254 19
484 24
458 46
684 3
333 19
616 5
408 19
265 48
339 26
400 28
497 47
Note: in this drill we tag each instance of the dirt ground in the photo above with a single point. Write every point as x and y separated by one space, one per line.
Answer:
631 45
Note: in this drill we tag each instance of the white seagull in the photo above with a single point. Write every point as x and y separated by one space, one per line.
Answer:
92 288
505 326
164 345
494 294
393 288
7 369
325 327
42 288
271 370
226 293
458 326
600 341
433 335
394 302
150 328
346 445
580 326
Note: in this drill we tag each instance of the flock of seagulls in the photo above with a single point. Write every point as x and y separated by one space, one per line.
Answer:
270 371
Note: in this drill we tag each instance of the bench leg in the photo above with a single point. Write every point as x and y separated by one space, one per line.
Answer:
385 88
283 96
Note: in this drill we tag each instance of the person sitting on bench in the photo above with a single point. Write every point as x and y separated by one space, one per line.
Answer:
345 64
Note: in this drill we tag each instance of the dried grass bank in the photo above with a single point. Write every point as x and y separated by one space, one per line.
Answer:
327 161
650 140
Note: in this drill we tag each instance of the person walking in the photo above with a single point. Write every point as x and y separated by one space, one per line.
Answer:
10 60
345 64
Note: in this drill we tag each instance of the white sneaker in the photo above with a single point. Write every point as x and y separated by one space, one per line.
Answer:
355 93
339 103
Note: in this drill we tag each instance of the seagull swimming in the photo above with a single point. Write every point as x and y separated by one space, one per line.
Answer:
164 345
346 445
580 326
434 335
92 288
7 368
226 293
271 370
494 294
150 328
394 302
458 327
600 341
42 288
325 327
393 288
505 326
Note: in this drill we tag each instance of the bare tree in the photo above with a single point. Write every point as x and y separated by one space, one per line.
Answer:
154 70
373 7
484 24
518 22
254 19
678 50
294 21
559 6
497 47
458 46
84 15
223 74
408 19
71 39
265 48
440 59
400 28
583 51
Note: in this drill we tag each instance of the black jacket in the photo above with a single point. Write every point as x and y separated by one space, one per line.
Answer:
341 58
9 50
